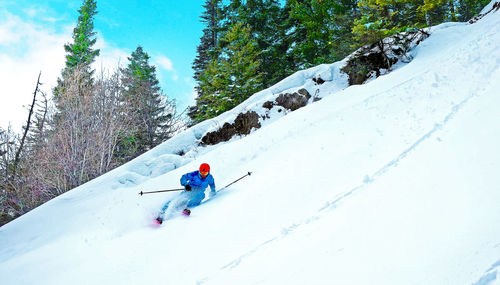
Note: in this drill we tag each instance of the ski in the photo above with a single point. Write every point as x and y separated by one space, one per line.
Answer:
159 220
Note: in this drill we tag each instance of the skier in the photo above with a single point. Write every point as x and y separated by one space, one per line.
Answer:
195 184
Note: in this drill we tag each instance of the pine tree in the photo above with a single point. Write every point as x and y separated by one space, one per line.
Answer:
150 112
80 53
267 23
267 26
320 30
382 18
207 49
467 9
231 78
211 17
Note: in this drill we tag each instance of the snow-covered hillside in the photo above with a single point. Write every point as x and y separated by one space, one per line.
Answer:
392 182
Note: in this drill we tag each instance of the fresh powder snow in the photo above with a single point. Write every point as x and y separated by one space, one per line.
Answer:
392 182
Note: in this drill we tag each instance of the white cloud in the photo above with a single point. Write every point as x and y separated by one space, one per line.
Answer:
11 29
165 66
189 81
190 98
110 57
32 12
164 62
25 50
50 19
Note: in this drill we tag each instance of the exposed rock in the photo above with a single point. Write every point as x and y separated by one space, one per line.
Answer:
496 7
362 66
304 92
243 125
294 100
268 105
318 80
370 60
245 122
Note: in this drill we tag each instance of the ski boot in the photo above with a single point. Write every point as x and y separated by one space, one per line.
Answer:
159 220
186 212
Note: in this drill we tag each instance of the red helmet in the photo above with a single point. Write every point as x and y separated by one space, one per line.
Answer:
204 169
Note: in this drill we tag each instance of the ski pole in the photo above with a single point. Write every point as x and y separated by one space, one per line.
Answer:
248 174
180 189
170 190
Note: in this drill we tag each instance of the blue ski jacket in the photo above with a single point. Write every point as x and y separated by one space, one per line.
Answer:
198 184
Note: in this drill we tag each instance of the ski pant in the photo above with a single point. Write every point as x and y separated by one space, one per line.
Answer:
186 199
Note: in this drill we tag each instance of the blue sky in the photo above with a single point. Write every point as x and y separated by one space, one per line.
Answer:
32 35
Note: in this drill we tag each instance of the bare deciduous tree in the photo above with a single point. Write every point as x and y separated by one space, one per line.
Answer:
84 133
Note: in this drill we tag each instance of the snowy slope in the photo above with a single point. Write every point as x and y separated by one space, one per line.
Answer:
392 182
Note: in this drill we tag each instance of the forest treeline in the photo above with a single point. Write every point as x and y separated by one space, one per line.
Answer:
96 121
250 45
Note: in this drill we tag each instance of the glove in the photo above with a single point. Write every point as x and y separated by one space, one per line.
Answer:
212 194
187 187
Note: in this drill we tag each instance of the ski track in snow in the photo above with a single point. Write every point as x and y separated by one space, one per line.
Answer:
331 205
490 275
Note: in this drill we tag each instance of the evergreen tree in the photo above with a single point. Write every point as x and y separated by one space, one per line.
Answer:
80 53
211 17
267 24
343 41
320 30
232 14
382 18
207 49
467 9
233 76
151 114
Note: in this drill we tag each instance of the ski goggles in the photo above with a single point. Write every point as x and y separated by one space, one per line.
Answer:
204 173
